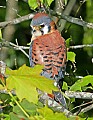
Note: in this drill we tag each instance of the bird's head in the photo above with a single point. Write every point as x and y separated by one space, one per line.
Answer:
41 24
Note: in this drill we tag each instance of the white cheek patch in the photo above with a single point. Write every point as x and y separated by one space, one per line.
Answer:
45 29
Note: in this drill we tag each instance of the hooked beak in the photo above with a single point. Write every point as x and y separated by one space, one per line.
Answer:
35 32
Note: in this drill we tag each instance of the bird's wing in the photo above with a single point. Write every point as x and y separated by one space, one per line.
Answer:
49 50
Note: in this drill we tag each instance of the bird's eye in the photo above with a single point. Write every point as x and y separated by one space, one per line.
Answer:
42 25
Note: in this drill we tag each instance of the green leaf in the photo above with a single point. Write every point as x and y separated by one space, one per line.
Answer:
68 42
5 116
13 116
49 2
66 2
33 4
48 114
30 108
36 117
71 56
65 86
90 118
82 83
25 80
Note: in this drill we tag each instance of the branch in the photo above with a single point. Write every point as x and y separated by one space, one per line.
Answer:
66 11
80 95
65 17
75 20
22 48
17 47
72 19
84 109
17 20
89 107
46 100
80 46
82 105
14 46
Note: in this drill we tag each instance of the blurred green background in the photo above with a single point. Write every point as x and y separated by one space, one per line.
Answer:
22 32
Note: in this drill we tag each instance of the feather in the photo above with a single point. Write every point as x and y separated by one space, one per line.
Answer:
49 50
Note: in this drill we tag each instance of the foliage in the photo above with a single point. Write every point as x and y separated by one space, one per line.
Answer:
34 4
24 105
82 84
71 56
28 79
24 81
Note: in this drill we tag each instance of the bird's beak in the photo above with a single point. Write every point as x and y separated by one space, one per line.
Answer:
36 32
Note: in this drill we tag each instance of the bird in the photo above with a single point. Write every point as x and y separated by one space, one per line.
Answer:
47 48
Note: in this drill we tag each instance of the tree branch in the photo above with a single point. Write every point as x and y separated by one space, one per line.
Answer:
14 46
46 100
17 20
77 21
89 107
23 48
80 95
65 17
80 46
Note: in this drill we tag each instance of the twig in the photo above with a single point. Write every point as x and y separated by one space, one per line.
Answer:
80 46
89 107
78 77
81 95
24 52
10 44
2 6
22 48
17 47
82 105
14 46
77 21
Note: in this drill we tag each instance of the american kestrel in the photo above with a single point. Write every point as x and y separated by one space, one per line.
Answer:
47 47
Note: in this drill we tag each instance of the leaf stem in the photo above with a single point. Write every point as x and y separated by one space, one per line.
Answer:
18 104
27 115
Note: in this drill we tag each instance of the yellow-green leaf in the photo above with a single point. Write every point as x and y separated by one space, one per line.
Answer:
49 2
65 86
68 42
71 56
48 114
25 80
81 83
33 4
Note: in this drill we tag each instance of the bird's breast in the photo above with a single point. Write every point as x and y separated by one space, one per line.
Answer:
47 48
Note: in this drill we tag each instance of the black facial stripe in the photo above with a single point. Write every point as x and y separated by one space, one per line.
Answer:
42 32
49 28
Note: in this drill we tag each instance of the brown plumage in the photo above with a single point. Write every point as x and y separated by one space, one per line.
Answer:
47 49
